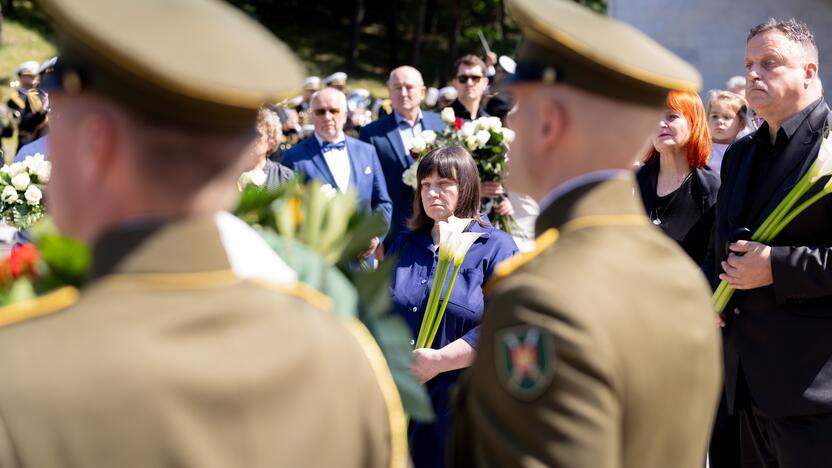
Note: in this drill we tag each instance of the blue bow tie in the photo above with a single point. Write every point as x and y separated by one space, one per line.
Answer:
327 146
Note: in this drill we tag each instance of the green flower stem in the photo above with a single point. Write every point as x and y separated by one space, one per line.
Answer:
800 209
439 276
441 313
762 234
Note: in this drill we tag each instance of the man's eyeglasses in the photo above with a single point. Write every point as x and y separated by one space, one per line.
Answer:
322 112
464 78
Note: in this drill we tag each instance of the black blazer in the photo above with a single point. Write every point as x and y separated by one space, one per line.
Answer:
780 335
704 187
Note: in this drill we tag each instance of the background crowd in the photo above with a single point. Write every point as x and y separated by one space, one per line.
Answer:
350 140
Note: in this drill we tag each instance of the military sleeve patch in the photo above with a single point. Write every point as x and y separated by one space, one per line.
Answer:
525 360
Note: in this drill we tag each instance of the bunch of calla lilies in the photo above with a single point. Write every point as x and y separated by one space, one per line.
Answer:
786 211
454 244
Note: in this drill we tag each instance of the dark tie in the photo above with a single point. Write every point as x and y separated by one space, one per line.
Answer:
327 146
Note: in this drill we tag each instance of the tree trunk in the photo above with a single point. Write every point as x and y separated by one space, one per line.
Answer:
417 34
501 16
8 8
357 24
453 43
393 32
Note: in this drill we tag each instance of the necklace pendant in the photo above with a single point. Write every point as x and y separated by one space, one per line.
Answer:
657 221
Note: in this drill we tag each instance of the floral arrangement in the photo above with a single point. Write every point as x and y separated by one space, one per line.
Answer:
786 211
454 244
487 141
21 190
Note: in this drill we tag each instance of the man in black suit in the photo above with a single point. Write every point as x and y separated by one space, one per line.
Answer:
778 326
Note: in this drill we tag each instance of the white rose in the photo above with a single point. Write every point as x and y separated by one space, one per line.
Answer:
16 168
448 115
429 136
33 195
9 195
21 181
471 142
483 136
409 175
5 169
419 144
44 172
468 129
329 191
494 123
508 135
481 124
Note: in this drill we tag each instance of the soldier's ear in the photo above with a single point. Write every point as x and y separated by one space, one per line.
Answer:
97 145
551 125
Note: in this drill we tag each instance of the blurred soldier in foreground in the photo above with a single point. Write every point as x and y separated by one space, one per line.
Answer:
192 344
599 348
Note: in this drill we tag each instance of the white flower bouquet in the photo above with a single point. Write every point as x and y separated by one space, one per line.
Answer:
21 190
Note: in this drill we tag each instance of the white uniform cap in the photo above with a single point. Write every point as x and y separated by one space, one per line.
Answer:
507 63
30 68
448 92
311 82
336 78
47 64
431 96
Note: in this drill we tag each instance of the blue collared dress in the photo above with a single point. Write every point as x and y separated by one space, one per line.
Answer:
411 282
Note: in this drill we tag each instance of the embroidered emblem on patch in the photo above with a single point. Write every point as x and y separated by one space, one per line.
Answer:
525 363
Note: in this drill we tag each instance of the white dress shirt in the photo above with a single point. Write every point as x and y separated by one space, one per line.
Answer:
338 161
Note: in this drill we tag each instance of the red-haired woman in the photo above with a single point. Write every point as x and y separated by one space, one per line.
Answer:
678 189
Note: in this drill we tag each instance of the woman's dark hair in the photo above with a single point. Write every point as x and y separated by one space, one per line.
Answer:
450 162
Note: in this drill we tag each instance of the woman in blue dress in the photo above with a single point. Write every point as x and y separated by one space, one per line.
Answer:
448 185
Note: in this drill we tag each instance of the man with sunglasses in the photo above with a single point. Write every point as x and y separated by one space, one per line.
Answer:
341 161
470 83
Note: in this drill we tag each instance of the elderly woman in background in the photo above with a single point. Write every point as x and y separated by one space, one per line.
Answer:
448 186
269 132
678 189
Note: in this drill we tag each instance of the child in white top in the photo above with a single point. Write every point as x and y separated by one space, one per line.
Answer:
727 114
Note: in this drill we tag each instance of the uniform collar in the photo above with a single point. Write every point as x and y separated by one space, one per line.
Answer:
611 196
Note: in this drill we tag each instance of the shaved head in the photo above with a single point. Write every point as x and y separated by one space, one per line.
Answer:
407 89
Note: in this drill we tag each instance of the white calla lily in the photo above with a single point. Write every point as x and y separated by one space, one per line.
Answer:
823 164
460 245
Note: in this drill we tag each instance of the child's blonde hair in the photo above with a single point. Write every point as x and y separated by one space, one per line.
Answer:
736 102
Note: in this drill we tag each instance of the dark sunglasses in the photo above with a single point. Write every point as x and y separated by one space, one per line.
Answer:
464 78
322 112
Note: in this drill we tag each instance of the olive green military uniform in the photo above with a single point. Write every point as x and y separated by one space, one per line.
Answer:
175 358
599 349
193 344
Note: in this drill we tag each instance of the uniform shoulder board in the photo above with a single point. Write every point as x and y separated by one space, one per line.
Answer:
51 302
509 266
17 100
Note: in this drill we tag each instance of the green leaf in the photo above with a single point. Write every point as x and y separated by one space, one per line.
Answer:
22 290
393 337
